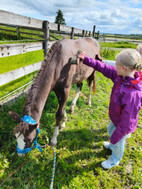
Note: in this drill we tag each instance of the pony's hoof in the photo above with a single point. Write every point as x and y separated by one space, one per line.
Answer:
63 125
52 144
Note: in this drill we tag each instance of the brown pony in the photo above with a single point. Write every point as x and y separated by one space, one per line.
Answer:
57 74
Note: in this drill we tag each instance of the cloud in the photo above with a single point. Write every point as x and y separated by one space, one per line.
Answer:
108 15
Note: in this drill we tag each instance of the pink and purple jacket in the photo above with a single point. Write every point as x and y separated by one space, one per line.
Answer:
125 101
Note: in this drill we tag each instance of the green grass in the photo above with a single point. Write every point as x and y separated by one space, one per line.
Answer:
13 85
79 150
16 41
14 62
122 36
119 44
33 35
108 50
108 53
12 35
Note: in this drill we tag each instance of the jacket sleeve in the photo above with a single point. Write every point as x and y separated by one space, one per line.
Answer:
129 117
107 70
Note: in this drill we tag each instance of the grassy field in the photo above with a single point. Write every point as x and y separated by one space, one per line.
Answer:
13 85
118 44
14 62
79 150
10 34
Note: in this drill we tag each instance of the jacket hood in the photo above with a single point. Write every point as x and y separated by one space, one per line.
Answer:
134 82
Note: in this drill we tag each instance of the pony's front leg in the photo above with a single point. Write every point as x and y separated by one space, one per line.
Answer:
58 125
55 135
60 114
91 84
56 132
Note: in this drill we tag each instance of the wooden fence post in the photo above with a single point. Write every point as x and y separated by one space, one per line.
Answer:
58 27
93 35
98 35
115 37
72 32
83 33
45 27
104 37
18 32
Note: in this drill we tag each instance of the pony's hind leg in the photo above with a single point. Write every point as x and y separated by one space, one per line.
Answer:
64 119
79 87
89 96
91 84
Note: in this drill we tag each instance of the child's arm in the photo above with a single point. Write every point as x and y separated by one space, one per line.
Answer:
106 70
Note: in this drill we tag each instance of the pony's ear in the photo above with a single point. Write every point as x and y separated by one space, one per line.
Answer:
15 116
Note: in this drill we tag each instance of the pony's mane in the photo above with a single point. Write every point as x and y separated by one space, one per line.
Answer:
35 86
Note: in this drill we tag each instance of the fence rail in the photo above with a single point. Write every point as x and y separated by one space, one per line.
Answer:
15 74
20 48
116 38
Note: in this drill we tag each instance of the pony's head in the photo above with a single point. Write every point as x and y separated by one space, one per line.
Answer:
25 132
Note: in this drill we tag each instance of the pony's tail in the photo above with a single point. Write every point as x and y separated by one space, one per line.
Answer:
94 84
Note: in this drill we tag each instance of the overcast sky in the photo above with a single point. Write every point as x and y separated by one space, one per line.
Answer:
109 16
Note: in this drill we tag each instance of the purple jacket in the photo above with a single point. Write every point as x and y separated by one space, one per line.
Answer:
125 101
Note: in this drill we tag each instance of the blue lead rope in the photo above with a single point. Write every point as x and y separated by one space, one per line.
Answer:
31 121
36 145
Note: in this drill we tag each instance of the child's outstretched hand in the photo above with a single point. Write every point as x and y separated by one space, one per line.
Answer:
98 57
81 56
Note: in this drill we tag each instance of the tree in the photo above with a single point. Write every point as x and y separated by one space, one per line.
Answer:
59 18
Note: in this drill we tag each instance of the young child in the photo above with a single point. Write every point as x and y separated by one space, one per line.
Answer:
125 100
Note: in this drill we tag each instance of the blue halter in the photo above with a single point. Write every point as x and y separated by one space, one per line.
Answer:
31 121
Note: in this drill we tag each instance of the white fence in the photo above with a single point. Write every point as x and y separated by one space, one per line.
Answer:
15 74
19 48
14 49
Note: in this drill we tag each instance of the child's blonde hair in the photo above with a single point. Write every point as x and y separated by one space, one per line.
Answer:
130 58
139 49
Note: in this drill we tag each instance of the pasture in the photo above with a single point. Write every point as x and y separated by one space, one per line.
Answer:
79 150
